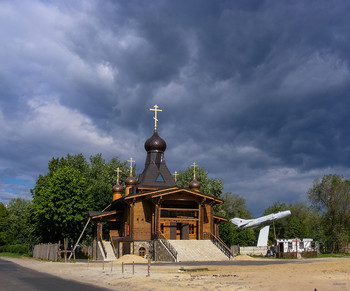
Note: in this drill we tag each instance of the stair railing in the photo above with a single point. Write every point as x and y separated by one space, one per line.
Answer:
167 245
112 243
221 245
103 248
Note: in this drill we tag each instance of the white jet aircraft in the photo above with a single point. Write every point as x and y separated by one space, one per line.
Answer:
252 223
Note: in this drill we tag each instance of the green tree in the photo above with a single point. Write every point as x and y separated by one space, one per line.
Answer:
4 223
331 197
208 186
60 208
279 226
232 235
300 224
235 206
19 230
99 177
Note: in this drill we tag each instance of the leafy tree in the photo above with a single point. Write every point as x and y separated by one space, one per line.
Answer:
235 206
331 197
232 235
19 229
280 225
208 186
78 162
226 233
4 222
99 177
300 224
60 208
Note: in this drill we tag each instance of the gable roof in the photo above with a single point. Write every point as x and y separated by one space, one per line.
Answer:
169 191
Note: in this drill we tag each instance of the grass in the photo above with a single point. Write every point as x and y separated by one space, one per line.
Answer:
332 255
14 255
192 270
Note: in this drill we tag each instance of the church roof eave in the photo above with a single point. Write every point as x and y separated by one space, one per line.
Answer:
173 190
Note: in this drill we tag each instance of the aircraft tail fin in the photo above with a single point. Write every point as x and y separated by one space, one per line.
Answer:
238 221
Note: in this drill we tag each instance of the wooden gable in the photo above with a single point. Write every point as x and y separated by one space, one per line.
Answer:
172 191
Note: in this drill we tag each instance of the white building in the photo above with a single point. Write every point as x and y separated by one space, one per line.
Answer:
296 245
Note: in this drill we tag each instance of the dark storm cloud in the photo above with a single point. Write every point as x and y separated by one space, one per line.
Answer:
254 91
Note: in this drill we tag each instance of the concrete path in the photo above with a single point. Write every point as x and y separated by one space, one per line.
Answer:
16 278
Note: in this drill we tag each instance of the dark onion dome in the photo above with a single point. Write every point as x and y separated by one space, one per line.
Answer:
195 185
117 188
130 181
155 143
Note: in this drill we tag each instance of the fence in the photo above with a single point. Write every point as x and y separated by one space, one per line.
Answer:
46 252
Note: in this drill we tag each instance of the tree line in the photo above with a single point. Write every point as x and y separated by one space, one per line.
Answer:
73 186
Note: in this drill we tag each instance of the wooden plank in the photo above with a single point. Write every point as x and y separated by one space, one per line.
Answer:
179 209
219 218
179 219
149 193
189 192
103 215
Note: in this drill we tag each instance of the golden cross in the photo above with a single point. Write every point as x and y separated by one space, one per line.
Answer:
117 171
194 165
175 175
131 161
155 115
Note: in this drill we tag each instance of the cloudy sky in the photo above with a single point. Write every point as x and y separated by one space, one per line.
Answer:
257 92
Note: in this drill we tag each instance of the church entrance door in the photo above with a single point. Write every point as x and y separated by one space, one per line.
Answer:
185 231
173 230
178 230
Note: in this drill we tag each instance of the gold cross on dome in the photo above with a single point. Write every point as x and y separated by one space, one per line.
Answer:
155 115
175 175
117 171
194 165
131 161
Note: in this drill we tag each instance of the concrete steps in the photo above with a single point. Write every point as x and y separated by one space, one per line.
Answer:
197 250
109 250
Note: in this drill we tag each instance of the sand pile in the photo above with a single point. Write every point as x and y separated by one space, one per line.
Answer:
243 258
128 259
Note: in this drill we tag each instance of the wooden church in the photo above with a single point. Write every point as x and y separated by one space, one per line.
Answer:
153 210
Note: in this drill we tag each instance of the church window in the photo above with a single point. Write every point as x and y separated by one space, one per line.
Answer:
160 178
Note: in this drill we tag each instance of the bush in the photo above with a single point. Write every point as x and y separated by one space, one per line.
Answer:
22 249
309 254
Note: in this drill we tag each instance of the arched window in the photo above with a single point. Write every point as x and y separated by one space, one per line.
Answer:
142 252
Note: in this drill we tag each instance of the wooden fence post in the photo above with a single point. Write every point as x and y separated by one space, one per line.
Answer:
149 268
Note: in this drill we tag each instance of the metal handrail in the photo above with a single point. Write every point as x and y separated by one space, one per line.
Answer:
166 243
103 248
112 243
221 245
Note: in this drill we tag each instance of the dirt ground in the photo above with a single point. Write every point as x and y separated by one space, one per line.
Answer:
302 274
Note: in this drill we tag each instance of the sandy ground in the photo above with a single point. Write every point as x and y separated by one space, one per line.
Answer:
304 274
